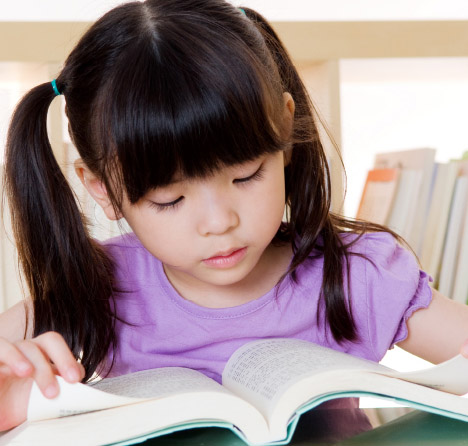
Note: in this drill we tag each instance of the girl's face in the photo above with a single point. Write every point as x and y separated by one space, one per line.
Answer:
213 232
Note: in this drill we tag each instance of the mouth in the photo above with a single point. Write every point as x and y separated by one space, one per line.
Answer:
226 259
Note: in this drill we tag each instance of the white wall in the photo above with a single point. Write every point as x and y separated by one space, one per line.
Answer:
396 104
83 10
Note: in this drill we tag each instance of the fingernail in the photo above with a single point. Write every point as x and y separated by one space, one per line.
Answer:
73 375
51 391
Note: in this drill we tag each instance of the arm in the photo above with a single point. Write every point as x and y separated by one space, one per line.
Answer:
438 332
23 361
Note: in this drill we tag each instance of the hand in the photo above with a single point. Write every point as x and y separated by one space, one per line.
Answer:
38 359
464 349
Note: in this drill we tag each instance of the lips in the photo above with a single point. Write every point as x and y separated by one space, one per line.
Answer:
224 253
226 259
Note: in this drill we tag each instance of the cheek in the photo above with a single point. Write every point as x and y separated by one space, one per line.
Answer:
276 196
268 208
167 245
161 235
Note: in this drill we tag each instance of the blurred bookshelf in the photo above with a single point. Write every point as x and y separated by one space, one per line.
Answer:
432 198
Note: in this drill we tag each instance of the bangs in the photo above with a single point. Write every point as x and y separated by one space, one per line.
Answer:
181 105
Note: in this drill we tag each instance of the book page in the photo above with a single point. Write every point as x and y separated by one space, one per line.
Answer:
141 404
449 376
261 371
112 392
157 383
71 400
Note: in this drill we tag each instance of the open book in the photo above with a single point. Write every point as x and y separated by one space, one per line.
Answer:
267 385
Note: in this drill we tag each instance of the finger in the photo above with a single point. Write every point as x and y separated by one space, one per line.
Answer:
80 368
14 359
55 348
464 349
43 373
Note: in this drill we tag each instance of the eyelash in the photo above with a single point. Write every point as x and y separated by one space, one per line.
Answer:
258 175
166 206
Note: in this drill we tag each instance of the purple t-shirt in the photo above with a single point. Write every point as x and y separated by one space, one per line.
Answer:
166 330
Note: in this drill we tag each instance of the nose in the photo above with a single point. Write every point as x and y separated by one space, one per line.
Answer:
217 216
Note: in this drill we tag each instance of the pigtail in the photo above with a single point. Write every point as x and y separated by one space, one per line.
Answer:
311 226
68 275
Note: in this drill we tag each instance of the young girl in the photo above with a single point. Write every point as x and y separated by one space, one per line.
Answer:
192 124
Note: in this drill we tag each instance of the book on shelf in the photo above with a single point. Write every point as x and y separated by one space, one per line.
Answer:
266 386
394 196
421 160
438 217
453 236
460 286
401 215
459 290
389 197
378 195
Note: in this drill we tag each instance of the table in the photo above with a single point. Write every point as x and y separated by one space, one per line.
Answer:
340 427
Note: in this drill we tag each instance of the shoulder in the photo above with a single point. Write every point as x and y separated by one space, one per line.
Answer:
379 251
372 243
377 260
386 286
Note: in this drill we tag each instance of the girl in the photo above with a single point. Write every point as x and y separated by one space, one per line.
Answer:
192 124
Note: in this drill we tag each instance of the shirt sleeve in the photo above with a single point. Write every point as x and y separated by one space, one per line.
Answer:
386 289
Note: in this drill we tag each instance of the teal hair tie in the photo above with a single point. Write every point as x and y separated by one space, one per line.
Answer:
56 90
243 12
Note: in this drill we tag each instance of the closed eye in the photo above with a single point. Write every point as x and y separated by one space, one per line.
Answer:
166 206
257 175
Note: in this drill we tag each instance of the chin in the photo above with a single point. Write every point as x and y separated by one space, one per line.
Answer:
227 277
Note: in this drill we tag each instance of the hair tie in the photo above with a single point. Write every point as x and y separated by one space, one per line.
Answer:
54 86
243 12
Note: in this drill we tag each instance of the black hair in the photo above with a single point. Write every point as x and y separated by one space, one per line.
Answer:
154 89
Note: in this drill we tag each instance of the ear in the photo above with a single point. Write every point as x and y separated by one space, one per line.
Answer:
288 116
289 106
96 189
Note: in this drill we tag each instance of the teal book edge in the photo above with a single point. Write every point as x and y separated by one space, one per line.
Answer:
414 429
294 420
